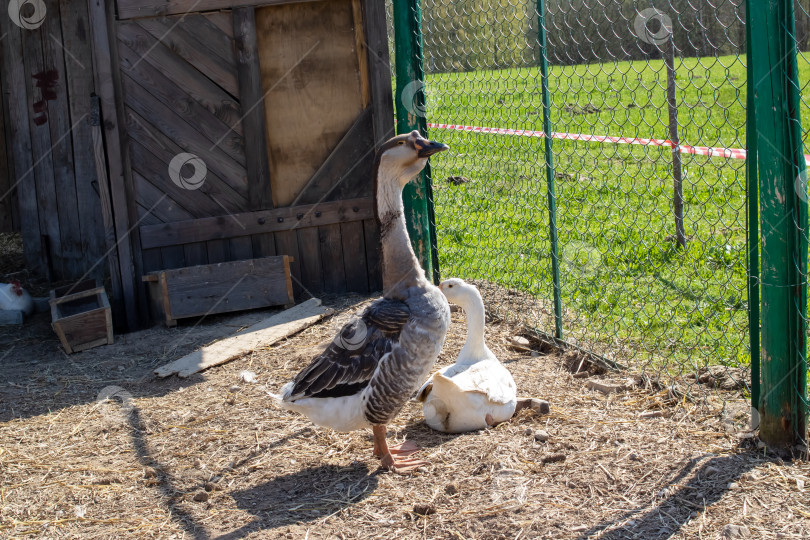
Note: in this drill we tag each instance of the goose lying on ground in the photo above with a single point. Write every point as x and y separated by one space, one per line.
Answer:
477 391
376 361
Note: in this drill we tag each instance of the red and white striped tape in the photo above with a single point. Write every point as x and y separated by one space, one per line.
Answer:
730 153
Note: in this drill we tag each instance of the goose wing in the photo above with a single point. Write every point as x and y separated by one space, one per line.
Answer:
349 362
488 377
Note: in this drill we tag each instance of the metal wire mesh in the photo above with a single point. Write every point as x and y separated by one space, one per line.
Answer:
641 282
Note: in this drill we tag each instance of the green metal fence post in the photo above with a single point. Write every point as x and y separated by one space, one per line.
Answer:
418 195
753 227
783 214
549 155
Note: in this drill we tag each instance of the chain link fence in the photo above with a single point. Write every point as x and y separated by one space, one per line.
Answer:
644 250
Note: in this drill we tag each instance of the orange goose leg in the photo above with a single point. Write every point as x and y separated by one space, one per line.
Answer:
399 464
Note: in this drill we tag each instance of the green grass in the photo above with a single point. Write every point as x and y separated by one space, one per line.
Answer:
626 290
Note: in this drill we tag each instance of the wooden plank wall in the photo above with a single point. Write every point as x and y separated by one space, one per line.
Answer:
9 213
46 108
235 88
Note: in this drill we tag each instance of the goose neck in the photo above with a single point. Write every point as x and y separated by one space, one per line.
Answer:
475 347
401 269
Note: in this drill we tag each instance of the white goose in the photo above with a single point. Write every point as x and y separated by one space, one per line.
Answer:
477 391
376 361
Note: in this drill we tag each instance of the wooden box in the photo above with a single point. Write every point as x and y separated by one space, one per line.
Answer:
81 316
206 289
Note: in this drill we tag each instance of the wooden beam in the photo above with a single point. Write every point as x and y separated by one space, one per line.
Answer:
262 334
128 9
110 247
249 223
100 22
252 105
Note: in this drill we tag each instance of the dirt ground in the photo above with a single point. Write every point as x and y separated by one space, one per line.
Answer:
93 446
210 457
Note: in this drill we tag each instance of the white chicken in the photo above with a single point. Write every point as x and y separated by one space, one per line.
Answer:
14 298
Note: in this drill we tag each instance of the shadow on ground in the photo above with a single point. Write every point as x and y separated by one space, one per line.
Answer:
303 496
680 499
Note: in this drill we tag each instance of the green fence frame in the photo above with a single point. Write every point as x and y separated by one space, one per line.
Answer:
782 181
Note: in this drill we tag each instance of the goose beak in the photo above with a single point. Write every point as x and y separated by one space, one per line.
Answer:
426 148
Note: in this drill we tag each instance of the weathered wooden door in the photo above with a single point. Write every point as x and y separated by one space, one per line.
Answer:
247 131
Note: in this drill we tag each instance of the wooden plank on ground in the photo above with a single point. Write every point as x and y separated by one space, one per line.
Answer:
263 334
253 112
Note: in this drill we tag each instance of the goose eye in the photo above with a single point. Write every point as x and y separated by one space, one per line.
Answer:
450 286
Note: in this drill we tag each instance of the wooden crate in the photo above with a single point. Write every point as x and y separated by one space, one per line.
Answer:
81 316
207 289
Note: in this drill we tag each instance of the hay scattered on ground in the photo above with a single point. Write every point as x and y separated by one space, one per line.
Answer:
209 457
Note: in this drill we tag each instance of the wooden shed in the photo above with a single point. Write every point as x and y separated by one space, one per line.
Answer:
232 129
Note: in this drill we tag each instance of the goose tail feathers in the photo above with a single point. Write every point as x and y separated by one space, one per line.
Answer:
280 399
